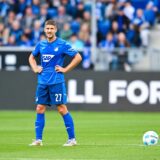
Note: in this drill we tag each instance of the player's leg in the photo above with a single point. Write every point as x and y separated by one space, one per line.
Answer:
68 121
40 121
39 125
42 99
58 97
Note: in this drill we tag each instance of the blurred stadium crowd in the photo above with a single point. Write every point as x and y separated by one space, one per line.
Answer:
120 23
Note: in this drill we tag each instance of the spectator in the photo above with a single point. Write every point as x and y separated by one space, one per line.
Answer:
111 10
70 8
35 7
133 36
16 31
76 42
74 21
129 10
87 17
108 45
37 31
42 37
43 15
84 32
122 54
115 30
25 41
66 32
150 14
100 9
28 32
10 18
28 18
143 26
4 34
20 8
4 8
11 41
86 63
62 17
56 3
122 19
80 10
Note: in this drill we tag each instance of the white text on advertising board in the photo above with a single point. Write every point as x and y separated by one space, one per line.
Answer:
117 89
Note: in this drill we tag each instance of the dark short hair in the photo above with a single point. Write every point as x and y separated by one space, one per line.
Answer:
51 22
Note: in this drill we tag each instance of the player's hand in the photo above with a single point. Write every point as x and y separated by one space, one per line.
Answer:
37 69
59 69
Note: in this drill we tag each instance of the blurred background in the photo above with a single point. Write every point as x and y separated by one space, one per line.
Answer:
119 41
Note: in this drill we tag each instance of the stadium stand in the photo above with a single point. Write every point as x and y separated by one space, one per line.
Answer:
120 24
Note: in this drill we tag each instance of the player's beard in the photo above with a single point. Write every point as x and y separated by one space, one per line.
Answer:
50 37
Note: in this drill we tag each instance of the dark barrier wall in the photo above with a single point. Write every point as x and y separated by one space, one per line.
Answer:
87 90
17 59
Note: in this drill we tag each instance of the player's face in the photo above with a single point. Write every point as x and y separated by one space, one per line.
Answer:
50 31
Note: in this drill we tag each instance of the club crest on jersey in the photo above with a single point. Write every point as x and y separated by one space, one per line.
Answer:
56 49
47 57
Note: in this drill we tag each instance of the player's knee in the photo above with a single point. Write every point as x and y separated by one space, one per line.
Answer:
62 109
40 109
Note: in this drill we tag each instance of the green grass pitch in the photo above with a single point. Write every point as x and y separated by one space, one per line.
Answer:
100 136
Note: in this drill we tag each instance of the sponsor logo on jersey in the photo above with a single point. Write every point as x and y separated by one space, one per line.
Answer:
47 57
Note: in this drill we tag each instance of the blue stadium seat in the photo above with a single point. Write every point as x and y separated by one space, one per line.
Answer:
139 3
52 12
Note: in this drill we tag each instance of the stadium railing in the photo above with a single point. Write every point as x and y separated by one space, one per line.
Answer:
139 59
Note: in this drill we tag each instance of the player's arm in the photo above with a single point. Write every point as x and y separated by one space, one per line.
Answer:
33 64
75 61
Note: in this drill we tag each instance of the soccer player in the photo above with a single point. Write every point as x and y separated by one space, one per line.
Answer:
51 88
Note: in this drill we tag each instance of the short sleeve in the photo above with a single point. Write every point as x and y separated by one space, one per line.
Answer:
69 50
36 51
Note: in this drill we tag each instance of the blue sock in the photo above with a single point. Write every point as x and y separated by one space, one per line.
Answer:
68 121
39 125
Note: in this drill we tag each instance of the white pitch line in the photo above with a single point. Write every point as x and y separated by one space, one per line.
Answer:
139 145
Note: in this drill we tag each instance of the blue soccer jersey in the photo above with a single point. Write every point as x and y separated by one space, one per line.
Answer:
52 54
